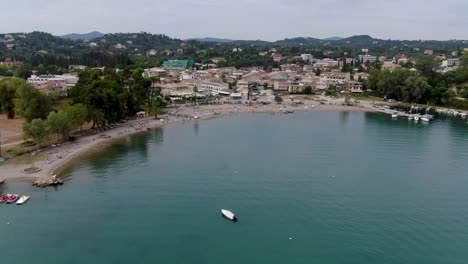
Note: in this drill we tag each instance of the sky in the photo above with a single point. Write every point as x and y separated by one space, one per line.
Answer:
243 19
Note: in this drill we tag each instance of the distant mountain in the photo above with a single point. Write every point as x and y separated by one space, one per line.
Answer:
299 41
85 36
208 39
333 38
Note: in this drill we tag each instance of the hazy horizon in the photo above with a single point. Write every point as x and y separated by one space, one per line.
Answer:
243 19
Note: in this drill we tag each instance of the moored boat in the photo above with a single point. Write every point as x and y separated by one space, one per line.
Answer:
4 198
12 198
229 215
23 199
425 119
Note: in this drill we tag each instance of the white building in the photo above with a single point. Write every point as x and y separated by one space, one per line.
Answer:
307 57
368 58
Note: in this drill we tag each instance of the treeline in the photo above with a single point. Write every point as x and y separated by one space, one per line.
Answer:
100 97
421 86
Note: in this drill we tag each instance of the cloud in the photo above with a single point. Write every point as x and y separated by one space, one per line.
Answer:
243 19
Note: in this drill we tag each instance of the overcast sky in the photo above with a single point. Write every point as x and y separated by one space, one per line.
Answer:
243 19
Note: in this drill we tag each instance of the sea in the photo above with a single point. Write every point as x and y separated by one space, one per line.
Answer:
308 187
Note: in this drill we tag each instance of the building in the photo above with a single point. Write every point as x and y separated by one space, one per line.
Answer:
154 72
429 52
214 86
120 46
355 87
451 62
388 65
10 64
53 83
277 57
77 67
335 77
281 85
296 87
178 64
367 58
307 57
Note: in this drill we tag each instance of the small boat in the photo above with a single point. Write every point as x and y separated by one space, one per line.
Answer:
410 117
228 214
416 118
23 199
4 198
12 198
425 119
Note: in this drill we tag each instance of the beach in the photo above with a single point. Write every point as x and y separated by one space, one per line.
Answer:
59 156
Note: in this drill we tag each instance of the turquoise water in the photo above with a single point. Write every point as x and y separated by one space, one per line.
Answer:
307 188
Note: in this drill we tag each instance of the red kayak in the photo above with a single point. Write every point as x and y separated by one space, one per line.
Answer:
12 198
4 198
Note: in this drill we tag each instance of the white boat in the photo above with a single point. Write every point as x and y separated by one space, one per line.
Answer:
394 116
425 119
23 199
416 118
410 117
228 214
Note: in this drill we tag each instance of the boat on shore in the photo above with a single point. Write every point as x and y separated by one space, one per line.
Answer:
23 199
12 198
228 214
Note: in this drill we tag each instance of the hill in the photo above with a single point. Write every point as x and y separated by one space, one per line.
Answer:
85 36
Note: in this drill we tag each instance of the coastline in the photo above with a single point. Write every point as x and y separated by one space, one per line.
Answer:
62 157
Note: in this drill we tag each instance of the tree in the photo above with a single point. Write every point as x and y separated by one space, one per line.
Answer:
417 88
36 130
426 65
464 60
308 89
278 98
7 96
30 102
59 123
78 115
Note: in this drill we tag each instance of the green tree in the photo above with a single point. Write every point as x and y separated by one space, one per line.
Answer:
308 89
30 102
464 60
278 98
426 65
59 123
7 96
78 115
36 130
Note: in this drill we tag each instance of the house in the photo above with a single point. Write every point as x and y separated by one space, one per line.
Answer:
9 63
281 85
296 88
152 52
355 87
242 84
153 72
274 76
335 77
56 83
277 57
367 58
307 57
77 67
120 46
451 62
388 65
429 52
382 58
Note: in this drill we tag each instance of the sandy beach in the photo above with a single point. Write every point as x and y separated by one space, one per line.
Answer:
57 157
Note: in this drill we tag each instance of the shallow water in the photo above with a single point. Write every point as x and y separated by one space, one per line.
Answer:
307 188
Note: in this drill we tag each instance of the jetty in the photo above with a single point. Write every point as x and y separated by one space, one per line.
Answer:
48 181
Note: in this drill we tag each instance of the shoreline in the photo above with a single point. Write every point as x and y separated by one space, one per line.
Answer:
60 158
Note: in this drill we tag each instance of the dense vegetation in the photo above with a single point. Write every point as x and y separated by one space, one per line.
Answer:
421 86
